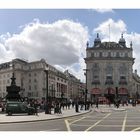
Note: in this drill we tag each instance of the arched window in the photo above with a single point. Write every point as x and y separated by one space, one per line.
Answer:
109 74
95 73
109 69
123 69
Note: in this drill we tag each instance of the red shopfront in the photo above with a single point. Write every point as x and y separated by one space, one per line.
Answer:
95 93
123 91
123 94
109 93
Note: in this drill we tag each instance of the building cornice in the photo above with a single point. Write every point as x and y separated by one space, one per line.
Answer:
110 58
111 48
136 78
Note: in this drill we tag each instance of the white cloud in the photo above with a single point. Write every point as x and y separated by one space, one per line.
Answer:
104 10
116 29
61 43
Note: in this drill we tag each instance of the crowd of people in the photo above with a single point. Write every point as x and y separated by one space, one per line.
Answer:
57 105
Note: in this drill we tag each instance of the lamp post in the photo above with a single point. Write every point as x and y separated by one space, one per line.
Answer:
46 102
86 90
52 90
117 93
116 87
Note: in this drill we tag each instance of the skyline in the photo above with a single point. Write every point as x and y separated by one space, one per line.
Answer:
60 35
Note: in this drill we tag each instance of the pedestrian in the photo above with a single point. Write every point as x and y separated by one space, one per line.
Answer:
36 108
117 103
77 107
69 103
59 108
49 107
73 104
97 103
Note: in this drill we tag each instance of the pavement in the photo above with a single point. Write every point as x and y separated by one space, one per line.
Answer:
20 118
107 108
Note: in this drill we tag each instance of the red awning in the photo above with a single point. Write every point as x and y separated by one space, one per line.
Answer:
110 91
95 91
123 91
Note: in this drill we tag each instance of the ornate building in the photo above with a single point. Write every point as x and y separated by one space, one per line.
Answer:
109 69
33 80
75 87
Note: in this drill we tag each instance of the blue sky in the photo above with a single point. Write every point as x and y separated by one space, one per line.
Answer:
22 32
12 19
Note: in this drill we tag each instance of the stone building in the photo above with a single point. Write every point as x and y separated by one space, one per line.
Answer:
31 78
109 69
135 86
75 87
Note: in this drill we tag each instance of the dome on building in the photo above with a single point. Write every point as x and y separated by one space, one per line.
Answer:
122 41
106 45
97 40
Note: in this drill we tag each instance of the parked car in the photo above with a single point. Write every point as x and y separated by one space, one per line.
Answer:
15 107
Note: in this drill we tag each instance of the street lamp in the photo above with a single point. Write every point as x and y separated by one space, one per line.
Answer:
52 90
86 90
46 102
117 93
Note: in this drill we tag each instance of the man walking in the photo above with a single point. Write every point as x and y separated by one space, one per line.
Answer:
97 103
35 107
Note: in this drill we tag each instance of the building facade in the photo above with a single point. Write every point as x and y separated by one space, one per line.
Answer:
75 87
135 86
109 69
33 81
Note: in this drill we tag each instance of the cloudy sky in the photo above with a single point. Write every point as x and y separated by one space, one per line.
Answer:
60 35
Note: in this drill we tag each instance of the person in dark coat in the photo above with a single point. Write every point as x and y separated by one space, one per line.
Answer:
97 103
77 107
36 107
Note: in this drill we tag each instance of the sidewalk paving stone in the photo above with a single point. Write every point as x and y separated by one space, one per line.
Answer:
16 118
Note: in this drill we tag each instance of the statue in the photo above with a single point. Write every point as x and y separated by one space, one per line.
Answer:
13 91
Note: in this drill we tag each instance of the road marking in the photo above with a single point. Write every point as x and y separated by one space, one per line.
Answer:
97 122
124 122
98 125
52 130
78 120
67 125
81 125
94 120
136 129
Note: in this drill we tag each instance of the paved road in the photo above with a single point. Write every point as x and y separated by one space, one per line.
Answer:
99 120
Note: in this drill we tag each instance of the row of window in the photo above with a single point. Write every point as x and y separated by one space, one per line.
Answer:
3 82
109 80
29 67
110 54
35 80
3 88
122 69
30 94
5 76
35 87
31 74
62 80
110 77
